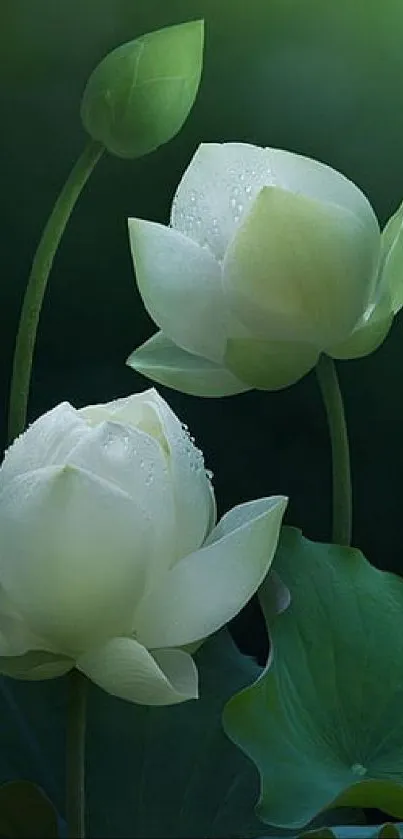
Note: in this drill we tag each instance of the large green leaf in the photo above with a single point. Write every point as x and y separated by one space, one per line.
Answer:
324 724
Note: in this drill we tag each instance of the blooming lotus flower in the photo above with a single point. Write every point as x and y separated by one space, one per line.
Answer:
110 559
270 259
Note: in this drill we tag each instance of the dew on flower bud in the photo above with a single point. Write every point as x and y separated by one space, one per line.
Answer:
116 445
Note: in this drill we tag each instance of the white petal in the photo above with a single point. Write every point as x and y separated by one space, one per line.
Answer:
130 410
73 555
206 589
216 191
124 668
47 442
164 362
137 464
183 474
194 498
223 179
180 284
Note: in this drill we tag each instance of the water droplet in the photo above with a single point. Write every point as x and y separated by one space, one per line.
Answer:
359 769
233 202
117 445
248 189
192 197
209 474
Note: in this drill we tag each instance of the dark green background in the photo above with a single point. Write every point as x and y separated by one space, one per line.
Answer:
321 77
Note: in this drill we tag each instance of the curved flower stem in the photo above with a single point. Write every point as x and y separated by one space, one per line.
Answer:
41 267
342 492
75 755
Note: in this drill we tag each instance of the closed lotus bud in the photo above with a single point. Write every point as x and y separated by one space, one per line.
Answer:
140 95
270 259
110 557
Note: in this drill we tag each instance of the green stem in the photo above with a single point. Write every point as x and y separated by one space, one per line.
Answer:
75 755
41 267
342 493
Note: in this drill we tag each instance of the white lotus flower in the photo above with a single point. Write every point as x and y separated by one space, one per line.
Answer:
270 259
110 559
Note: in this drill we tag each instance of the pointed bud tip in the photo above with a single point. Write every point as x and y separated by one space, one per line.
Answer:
141 93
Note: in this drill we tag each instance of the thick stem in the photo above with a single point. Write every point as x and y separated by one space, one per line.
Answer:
35 291
342 492
75 755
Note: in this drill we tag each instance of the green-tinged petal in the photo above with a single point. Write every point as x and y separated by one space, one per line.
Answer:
74 552
47 442
16 638
180 284
366 338
319 181
269 365
164 362
299 270
35 666
206 589
124 668
392 260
